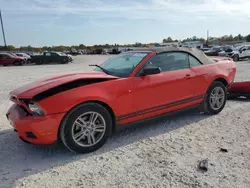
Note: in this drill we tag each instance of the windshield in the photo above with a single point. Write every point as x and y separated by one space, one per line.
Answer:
122 65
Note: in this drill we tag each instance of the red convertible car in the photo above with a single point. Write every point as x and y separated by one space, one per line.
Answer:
81 110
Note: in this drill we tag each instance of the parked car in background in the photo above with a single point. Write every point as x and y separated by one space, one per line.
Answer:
82 110
25 56
214 51
64 54
226 51
9 59
50 57
204 49
241 53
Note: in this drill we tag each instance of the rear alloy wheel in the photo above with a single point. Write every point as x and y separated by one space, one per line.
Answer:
86 128
215 98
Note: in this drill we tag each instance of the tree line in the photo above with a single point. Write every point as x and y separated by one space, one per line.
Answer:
226 38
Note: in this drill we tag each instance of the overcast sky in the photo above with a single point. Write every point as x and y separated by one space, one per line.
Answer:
69 22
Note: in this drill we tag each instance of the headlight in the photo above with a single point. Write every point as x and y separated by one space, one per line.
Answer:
35 109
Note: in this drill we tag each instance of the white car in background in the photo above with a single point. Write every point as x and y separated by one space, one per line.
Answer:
241 53
25 56
70 56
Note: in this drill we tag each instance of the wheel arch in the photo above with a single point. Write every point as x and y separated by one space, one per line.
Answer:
105 105
222 80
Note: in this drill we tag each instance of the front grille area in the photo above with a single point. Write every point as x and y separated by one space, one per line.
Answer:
30 135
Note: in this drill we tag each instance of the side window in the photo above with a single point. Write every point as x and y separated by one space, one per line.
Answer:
6 56
170 61
54 54
193 61
47 54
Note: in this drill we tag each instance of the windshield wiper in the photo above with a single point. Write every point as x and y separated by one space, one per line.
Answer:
103 69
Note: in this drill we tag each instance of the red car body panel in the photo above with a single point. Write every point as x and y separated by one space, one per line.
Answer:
45 128
240 87
131 99
10 61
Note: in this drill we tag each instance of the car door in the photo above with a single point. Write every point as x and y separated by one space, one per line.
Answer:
1 59
247 51
169 90
200 77
55 57
243 52
6 59
47 57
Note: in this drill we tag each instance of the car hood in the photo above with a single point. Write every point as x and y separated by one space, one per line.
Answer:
28 91
18 58
208 51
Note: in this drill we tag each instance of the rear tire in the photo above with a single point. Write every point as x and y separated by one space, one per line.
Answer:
236 57
215 99
81 135
39 62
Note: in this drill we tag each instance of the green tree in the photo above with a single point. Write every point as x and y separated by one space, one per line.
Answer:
81 46
248 38
11 47
169 39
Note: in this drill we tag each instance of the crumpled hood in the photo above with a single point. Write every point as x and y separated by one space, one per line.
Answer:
28 91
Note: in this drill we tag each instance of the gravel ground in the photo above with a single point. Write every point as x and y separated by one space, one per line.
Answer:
162 153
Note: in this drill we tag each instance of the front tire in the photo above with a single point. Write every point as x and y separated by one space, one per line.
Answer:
16 63
215 98
86 128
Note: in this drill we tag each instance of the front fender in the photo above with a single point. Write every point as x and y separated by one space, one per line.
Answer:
64 101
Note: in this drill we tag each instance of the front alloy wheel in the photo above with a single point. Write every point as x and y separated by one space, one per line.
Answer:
86 128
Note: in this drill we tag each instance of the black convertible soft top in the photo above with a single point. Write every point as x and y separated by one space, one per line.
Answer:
193 51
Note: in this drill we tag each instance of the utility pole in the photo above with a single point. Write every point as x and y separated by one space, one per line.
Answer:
3 30
207 37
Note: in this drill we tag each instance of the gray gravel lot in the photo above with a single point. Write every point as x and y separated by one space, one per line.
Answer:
162 153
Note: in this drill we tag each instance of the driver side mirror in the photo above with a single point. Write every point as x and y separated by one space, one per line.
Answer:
150 70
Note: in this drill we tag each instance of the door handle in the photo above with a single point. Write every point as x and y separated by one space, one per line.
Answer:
188 76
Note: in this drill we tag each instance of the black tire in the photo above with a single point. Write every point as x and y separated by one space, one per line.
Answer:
236 57
39 62
65 131
206 106
64 61
16 63
21 63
